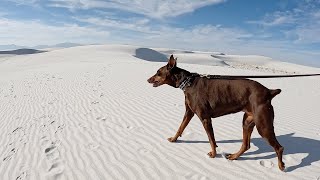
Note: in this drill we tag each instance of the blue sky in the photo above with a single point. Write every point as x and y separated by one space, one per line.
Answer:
286 30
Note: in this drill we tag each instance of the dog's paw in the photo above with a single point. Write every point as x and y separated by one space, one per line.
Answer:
282 167
231 156
171 139
212 154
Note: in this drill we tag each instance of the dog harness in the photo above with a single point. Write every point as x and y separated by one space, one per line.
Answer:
188 81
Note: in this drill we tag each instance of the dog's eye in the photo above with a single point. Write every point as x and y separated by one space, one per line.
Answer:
158 73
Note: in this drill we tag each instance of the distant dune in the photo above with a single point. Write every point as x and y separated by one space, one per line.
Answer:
150 55
22 52
61 45
10 47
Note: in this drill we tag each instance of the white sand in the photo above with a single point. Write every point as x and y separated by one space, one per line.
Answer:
88 113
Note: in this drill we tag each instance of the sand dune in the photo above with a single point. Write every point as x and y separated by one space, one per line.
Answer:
21 52
88 113
150 55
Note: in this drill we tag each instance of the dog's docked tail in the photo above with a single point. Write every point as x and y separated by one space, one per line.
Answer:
274 92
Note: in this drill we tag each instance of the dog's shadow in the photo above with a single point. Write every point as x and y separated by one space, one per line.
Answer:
291 143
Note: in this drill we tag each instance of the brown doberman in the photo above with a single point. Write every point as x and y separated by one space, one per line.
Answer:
211 98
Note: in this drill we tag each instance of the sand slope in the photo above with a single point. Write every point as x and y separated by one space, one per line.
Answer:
88 113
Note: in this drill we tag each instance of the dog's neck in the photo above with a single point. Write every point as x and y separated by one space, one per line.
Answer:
181 78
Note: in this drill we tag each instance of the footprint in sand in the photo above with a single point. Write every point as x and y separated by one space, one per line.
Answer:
10 154
129 127
95 102
60 128
22 176
17 129
50 149
266 164
136 129
83 127
52 153
93 146
101 118
143 151
56 169
53 161
195 176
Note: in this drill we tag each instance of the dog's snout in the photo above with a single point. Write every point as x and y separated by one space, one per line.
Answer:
150 80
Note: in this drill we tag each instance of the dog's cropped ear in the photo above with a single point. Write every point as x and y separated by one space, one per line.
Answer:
172 62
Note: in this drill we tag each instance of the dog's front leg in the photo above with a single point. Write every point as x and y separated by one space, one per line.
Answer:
186 119
206 122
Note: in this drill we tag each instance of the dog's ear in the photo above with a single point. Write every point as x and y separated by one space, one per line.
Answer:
172 62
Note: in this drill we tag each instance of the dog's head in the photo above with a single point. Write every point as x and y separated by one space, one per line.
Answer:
164 74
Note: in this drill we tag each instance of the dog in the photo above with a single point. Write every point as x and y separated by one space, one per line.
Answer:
211 98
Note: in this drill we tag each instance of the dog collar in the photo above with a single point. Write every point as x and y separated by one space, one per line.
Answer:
188 81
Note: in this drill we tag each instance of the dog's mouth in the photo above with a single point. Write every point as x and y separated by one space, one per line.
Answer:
156 83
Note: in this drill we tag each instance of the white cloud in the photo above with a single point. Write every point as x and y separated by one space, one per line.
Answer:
25 2
30 33
307 34
132 24
303 22
150 8
145 33
202 37
276 19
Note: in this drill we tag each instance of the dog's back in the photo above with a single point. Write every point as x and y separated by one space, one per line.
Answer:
225 96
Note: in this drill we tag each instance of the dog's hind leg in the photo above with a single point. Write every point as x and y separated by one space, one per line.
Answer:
206 122
266 130
186 119
247 126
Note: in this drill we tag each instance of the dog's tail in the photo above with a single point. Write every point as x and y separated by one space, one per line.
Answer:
274 92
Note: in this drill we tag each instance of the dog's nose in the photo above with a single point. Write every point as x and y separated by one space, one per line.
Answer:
151 80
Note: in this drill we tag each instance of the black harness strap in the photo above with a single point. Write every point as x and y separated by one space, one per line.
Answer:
188 81
256 77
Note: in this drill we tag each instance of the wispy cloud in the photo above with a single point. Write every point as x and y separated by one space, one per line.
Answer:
276 19
132 24
304 22
32 33
308 34
26 2
147 33
150 8
201 36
